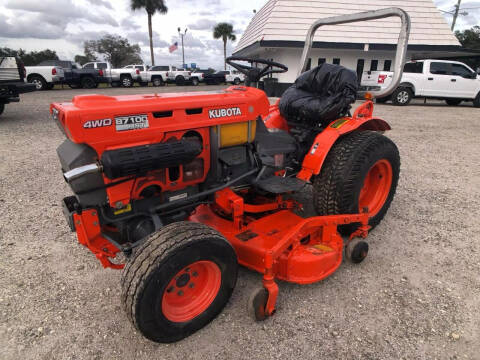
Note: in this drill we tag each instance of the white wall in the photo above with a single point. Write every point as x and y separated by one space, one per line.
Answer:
348 58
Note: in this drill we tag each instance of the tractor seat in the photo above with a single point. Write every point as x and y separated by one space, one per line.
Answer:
319 96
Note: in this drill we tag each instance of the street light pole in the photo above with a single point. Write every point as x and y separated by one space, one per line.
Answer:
457 9
183 51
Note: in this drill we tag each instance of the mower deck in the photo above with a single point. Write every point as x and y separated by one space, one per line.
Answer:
280 245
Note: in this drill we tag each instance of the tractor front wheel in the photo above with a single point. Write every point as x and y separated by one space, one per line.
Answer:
178 281
360 171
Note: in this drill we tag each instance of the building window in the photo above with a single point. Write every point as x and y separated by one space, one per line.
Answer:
374 65
321 61
336 61
387 65
309 64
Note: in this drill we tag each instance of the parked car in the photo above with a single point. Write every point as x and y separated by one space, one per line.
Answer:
451 81
234 77
198 76
155 75
215 78
75 76
174 75
44 77
125 77
12 81
161 75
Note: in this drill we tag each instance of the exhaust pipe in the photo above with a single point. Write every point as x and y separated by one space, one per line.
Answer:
78 172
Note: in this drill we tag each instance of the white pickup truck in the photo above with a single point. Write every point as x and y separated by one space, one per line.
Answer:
451 81
125 77
154 74
44 77
234 77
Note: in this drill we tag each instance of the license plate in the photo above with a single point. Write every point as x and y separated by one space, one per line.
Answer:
131 122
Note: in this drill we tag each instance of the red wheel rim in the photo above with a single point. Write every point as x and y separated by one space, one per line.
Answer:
191 291
376 187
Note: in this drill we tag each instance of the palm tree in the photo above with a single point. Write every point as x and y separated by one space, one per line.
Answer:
152 6
224 31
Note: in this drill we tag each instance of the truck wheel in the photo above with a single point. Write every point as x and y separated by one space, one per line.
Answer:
178 281
453 102
194 81
2 107
157 81
476 102
236 81
126 81
180 80
402 96
361 170
87 82
40 83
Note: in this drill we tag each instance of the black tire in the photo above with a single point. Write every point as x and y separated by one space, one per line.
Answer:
356 250
158 81
453 102
256 304
338 186
39 81
87 82
402 96
151 269
180 80
236 81
194 81
126 81
476 102
2 108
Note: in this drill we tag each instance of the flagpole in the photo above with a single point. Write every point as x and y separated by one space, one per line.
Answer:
183 51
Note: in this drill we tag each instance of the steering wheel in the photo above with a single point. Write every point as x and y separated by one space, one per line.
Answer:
253 73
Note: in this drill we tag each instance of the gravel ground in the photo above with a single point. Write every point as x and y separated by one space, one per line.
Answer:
417 296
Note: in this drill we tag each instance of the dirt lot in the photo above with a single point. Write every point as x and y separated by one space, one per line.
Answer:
417 296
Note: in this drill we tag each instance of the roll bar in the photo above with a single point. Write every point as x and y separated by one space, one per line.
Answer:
402 43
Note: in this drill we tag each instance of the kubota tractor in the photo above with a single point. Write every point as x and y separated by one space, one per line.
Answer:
190 185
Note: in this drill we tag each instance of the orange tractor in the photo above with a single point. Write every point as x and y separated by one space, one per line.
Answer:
187 186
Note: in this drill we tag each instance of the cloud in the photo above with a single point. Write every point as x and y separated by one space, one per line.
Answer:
128 23
143 39
67 11
25 27
203 24
101 3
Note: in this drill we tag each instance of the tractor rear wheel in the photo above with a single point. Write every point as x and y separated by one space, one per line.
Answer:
178 281
360 171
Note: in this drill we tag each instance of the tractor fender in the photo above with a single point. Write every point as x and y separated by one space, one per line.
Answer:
313 161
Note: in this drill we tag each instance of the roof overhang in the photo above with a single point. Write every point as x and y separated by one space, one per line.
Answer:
417 51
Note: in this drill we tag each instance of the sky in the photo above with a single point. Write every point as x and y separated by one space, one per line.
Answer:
63 26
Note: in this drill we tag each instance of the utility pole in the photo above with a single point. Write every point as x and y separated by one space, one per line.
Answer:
457 9
183 51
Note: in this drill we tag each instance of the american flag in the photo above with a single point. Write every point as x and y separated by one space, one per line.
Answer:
173 47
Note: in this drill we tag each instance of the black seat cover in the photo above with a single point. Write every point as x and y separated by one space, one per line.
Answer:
320 95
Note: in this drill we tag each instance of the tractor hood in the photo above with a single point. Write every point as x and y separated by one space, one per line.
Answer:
100 120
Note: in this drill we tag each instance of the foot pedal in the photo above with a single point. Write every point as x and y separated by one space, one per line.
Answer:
280 185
